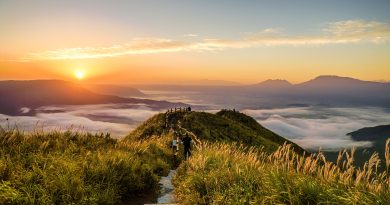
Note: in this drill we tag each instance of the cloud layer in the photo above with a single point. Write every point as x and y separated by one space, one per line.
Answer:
116 119
341 32
315 127
310 127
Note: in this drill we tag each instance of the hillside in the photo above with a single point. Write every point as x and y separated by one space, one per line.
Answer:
224 126
71 167
79 168
220 173
377 135
15 95
117 90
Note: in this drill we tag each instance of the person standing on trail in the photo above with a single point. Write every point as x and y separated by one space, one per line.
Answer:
187 146
175 145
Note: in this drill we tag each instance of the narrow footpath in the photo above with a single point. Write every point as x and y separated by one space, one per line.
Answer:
167 196
167 188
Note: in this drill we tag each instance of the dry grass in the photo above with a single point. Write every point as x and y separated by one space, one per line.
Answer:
227 174
78 168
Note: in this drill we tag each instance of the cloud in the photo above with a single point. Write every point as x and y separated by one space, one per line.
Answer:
310 127
117 119
191 35
341 32
25 110
135 46
315 127
362 30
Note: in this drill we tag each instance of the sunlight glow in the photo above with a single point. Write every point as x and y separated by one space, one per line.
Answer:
79 74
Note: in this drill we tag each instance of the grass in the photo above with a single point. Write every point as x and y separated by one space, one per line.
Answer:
72 167
224 126
223 173
78 168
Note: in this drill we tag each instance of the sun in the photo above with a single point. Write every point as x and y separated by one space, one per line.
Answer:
79 74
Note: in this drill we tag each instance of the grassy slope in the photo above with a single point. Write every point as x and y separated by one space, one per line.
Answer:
78 168
221 173
224 126
154 126
254 125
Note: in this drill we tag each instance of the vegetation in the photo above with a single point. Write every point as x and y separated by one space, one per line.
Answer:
251 123
229 174
377 135
154 126
78 168
224 126
237 162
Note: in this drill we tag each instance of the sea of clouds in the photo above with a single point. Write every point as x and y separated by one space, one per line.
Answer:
310 127
117 119
320 127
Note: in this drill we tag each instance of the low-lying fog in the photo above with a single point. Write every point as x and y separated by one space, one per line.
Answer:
117 119
311 127
315 127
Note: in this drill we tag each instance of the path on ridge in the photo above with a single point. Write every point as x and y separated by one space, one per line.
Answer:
167 187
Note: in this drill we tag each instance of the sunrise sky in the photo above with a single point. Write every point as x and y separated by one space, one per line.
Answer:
176 41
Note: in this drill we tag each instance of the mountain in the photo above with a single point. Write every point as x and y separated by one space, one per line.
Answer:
376 135
22 97
224 126
336 84
273 84
324 90
334 81
117 90
343 91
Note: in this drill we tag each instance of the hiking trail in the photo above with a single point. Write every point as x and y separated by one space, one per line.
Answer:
167 188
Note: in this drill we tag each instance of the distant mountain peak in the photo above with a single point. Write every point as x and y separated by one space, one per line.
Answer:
274 83
19 97
334 81
334 77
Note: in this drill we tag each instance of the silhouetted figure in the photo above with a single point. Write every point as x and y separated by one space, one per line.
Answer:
187 146
189 109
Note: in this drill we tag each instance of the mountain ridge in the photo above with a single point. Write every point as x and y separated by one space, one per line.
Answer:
226 126
117 90
31 94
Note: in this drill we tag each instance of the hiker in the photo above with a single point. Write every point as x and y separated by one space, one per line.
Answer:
187 146
175 144
189 109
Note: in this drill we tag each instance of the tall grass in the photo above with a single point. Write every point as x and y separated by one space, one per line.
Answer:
229 174
78 168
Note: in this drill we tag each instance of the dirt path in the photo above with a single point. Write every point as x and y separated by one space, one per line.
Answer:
167 188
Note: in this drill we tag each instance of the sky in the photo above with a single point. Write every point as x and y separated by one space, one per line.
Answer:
175 41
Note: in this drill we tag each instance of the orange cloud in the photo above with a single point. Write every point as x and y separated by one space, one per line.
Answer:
341 32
